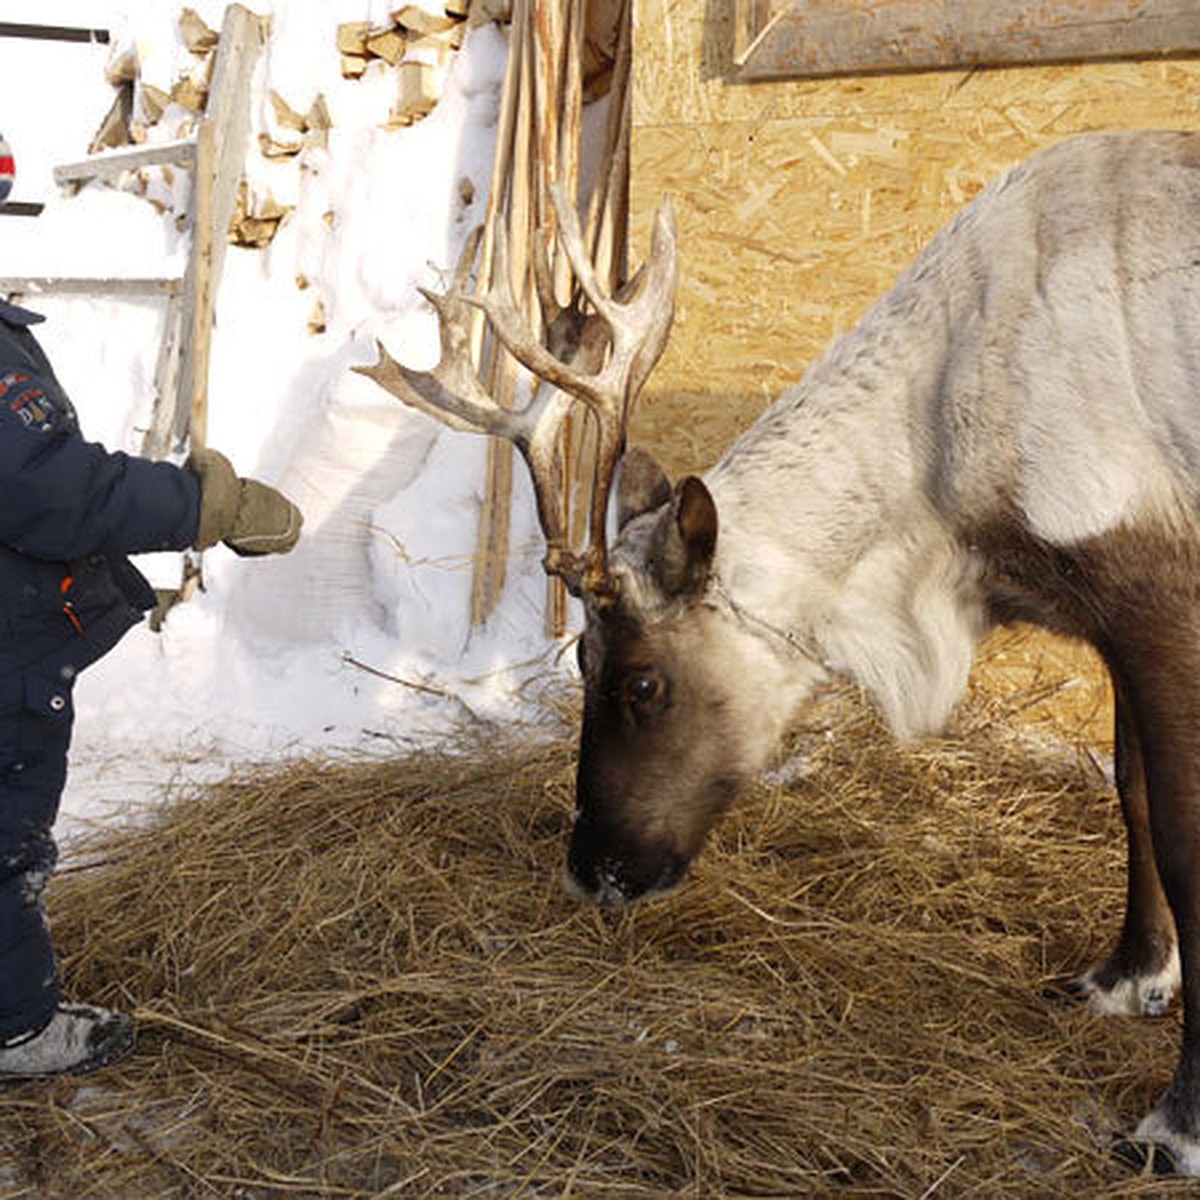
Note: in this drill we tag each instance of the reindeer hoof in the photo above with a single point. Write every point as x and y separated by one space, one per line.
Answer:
1145 1158
1111 993
1136 997
1159 1147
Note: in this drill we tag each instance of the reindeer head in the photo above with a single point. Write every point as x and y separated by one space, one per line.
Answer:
663 743
647 788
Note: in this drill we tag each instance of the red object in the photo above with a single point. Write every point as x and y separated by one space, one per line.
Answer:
8 170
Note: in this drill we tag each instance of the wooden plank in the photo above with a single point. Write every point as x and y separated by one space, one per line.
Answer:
571 135
229 110
53 33
21 208
510 203
62 285
191 412
156 442
549 31
127 158
816 38
220 154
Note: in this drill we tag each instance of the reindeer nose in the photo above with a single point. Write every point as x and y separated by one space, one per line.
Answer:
610 872
597 884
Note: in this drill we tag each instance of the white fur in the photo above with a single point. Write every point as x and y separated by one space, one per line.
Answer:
730 649
853 563
906 625
1138 996
1113 467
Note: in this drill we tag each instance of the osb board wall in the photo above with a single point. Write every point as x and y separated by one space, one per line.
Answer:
799 202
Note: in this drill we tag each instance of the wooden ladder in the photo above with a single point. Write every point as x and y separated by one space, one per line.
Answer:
214 155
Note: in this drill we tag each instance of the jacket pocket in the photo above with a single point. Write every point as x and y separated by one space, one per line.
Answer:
36 712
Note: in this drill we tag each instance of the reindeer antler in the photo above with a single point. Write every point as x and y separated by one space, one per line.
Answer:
612 349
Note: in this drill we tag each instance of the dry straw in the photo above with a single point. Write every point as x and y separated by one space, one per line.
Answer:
365 979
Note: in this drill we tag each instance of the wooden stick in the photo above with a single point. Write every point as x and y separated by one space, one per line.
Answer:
219 155
198 319
576 468
487 579
510 96
538 144
616 139
508 193
571 135
548 55
71 285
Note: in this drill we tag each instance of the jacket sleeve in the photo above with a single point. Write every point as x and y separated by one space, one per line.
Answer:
62 498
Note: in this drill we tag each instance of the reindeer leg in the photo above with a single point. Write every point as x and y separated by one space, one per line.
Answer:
1141 975
1160 685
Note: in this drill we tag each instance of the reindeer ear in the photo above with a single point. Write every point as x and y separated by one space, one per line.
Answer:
687 540
642 485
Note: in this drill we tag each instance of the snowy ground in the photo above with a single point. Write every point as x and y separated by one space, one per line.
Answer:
361 637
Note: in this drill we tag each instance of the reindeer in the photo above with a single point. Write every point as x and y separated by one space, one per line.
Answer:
1013 433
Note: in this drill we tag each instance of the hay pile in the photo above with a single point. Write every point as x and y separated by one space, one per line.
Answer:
365 979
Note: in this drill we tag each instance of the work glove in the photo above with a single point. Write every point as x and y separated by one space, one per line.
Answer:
249 517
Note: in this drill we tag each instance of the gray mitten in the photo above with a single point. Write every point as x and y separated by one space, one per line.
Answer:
249 517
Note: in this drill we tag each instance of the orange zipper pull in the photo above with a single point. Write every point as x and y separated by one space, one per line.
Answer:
68 582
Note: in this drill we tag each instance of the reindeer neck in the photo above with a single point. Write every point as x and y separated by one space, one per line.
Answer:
834 459
828 534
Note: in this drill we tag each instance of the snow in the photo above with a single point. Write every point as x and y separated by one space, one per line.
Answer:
361 637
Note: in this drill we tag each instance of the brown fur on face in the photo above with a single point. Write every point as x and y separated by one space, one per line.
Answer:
655 770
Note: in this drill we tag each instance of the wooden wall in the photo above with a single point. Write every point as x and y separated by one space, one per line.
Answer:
799 202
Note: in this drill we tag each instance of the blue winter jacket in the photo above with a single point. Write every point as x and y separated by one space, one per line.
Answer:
70 513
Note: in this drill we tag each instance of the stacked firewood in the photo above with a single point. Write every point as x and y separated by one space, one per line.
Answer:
140 104
417 44
144 112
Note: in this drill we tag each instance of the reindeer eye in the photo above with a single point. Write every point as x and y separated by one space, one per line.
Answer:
643 690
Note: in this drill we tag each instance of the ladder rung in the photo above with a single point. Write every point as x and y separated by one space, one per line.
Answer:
127 158
63 285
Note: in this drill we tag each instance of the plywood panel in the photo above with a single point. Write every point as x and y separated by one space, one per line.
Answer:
800 202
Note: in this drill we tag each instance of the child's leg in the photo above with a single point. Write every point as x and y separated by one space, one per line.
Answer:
32 774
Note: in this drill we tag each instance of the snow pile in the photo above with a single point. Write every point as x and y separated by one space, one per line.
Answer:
363 632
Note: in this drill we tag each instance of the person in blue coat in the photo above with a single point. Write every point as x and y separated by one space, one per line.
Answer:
71 512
